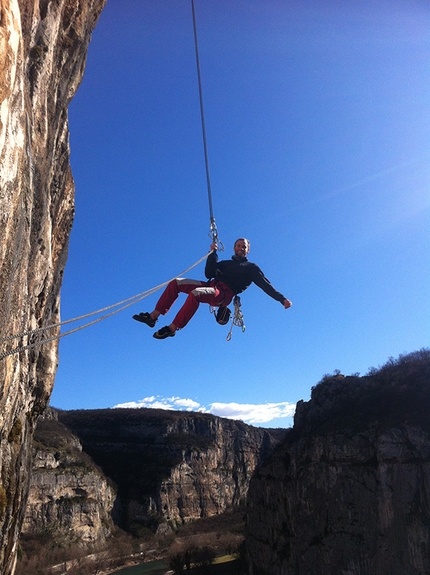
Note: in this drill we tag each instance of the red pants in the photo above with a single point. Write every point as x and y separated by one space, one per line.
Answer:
212 293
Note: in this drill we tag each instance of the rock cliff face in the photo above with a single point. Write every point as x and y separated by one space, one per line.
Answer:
43 48
170 467
347 493
69 496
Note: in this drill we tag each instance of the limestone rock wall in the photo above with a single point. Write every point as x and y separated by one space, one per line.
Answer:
69 496
206 482
351 505
43 48
171 467
348 491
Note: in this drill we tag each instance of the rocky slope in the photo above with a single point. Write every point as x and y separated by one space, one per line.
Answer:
347 493
170 467
43 48
69 496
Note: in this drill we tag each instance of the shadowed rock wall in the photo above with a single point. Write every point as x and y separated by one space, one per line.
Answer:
43 47
171 467
348 491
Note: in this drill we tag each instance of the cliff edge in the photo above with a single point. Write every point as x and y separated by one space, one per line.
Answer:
171 467
347 493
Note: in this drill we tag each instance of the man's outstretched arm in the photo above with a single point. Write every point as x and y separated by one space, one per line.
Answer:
263 283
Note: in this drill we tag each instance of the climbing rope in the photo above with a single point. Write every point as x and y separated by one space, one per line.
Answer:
213 231
124 305
213 234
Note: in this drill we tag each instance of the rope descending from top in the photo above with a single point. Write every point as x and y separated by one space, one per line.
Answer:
31 334
213 232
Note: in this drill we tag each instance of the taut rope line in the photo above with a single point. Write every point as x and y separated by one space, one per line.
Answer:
128 302
213 228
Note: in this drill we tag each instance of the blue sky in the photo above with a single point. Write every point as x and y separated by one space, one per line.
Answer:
317 118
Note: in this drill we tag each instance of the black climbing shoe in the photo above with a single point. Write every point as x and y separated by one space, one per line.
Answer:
144 317
163 333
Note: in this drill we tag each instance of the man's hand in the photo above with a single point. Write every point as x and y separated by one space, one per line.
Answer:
214 247
287 303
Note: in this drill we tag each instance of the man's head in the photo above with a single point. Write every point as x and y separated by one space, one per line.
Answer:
241 247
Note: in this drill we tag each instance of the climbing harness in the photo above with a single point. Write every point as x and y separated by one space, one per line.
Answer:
31 334
213 231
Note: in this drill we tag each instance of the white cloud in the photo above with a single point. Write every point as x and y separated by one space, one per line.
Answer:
187 403
157 402
252 413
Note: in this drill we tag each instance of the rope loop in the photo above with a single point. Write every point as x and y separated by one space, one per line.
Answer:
238 318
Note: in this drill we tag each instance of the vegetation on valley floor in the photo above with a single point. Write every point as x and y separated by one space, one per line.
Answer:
203 540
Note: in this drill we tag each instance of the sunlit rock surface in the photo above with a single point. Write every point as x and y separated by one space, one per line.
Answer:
43 47
69 497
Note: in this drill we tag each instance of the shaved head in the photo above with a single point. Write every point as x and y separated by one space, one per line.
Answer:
248 243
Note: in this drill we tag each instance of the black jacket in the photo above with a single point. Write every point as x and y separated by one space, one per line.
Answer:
238 273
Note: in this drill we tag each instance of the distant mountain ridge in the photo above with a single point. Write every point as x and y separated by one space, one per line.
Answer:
149 469
169 466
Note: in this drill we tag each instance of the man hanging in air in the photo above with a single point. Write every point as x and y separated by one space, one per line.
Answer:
227 278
